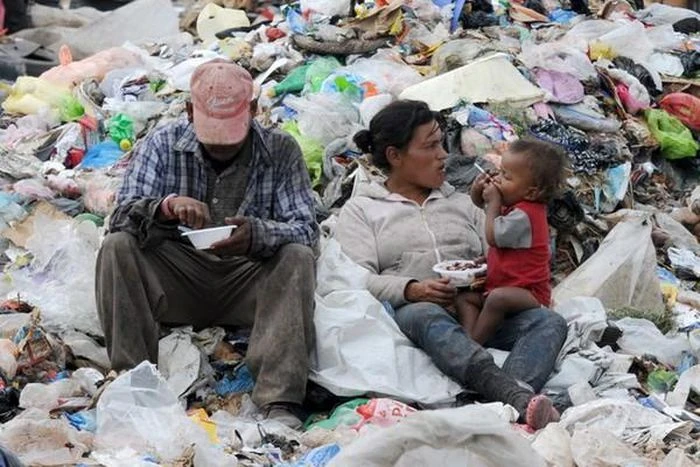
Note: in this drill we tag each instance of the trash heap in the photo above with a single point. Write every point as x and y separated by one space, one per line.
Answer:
613 83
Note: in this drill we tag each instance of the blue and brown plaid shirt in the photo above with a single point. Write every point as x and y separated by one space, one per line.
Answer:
278 200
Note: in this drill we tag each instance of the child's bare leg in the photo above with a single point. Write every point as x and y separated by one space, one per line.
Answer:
468 305
499 304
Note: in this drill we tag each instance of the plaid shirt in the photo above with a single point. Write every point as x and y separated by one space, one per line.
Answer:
278 199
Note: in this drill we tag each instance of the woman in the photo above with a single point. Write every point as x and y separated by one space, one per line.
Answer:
400 229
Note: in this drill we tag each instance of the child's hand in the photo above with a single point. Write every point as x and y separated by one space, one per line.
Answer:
492 194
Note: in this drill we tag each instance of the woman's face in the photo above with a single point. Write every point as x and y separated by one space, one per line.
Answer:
422 162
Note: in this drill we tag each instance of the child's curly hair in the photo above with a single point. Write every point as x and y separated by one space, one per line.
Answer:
547 162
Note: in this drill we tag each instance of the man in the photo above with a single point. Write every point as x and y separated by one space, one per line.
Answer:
216 167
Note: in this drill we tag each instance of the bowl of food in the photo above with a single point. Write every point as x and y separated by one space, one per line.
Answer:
461 272
203 239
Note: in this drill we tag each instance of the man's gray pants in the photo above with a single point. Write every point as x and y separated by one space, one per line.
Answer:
175 284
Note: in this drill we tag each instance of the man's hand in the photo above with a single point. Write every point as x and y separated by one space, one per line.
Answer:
437 291
238 244
189 211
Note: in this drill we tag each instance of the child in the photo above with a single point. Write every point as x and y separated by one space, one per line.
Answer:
517 232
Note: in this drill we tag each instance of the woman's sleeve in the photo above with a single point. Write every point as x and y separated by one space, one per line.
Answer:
477 217
359 242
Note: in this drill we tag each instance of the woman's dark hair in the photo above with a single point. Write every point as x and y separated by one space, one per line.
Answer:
393 126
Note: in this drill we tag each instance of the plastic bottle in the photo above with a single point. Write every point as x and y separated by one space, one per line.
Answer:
294 82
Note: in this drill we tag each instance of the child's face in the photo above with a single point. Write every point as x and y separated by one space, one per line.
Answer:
515 181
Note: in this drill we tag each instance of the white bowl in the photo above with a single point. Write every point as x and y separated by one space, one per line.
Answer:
203 239
465 276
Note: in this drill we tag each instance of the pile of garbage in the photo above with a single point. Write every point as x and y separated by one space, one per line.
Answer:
614 83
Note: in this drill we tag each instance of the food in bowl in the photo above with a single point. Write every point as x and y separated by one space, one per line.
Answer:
462 273
203 239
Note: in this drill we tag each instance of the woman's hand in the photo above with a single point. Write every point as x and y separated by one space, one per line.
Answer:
437 291
477 190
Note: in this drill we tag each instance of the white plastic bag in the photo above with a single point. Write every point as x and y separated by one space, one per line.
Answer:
629 41
38 440
558 57
622 272
641 336
327 7
471 435
324 117
140 411
659 14
359 347
61 279
388 74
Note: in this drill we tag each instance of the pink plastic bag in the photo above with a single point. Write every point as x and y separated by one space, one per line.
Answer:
632 105
96 66
561 87
383 412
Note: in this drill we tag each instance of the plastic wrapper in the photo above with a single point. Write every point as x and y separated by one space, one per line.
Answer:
561 87
324 117
558 57
675 139
326 7
95 66
102 155
383 412
640 336
584 118
138 410
685 107
389 76
310 148
38 440
33 189
629 41
47 396
31 95
471 435
659 14
61 279
621 273
8 358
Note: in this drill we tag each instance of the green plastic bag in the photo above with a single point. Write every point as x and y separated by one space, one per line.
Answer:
343 415
676 141
121 129
312 150
318 71
71 109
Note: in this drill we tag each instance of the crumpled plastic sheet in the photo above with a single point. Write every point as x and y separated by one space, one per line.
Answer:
61 279
38 440
471 435
139 411
641 336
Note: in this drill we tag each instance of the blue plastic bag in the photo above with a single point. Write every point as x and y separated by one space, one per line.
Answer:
102 155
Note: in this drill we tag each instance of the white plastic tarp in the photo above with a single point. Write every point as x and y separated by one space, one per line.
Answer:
622 272
472 435
359 347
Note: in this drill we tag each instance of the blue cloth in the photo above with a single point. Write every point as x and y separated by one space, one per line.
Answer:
278 203
533 337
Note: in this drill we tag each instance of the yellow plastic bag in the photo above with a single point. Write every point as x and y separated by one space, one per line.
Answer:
30 96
